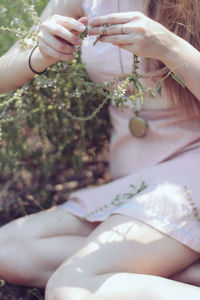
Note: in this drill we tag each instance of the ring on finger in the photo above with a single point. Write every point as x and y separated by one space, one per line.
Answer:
104 28
122 29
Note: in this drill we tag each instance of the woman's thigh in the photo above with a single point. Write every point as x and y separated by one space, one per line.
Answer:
32 247
49 223
122 245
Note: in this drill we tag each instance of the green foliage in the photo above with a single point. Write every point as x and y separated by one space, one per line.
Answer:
59 108
15 15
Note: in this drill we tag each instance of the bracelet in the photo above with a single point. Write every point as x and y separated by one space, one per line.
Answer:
29 63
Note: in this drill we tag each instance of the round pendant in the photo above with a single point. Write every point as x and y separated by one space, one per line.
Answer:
138 127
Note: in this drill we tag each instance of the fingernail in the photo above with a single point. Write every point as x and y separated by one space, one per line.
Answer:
82 27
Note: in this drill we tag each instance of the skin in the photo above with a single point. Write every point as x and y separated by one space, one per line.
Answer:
81 260
147 38
56 42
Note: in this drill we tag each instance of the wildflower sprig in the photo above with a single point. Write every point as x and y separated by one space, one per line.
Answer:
23 32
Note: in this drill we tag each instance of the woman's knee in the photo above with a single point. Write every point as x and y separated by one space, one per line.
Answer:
69 293
69 283
14 258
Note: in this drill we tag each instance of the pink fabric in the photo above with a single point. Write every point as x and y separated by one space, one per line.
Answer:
167 159
168 135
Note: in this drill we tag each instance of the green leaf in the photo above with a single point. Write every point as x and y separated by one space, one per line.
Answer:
142 99
133 77
151 93
159 88
96 41
177 79
133 186
128 196
140 86
84 33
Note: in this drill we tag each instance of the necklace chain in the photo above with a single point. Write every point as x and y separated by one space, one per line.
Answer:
119 50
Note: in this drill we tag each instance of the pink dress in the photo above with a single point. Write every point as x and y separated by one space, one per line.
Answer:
155 178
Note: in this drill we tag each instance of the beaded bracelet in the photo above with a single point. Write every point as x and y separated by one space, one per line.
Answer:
29 63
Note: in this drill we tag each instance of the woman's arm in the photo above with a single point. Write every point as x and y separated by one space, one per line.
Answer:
145 37
56 42
185 60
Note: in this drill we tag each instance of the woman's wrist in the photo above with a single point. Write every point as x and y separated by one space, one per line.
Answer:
30 64
172 57
184 60
37 62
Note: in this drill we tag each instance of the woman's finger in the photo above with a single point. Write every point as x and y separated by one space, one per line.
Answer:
56 44
69 23
106 30
117 39
83 20
125 47
65 34
47 51
117 18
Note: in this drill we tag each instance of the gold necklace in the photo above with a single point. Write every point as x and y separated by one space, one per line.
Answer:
137 125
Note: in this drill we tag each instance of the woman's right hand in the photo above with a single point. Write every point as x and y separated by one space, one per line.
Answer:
58 38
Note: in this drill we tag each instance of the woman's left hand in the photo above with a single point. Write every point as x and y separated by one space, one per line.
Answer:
134 32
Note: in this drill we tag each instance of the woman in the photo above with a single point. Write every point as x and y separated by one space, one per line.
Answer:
97 245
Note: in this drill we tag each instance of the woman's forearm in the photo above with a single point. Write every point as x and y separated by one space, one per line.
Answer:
15 69
184 60
56 42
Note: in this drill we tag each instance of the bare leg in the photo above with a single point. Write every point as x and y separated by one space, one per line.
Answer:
112 253
32 247
189 275
129 286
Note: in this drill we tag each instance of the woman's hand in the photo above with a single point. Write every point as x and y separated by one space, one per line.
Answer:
134 32
58 38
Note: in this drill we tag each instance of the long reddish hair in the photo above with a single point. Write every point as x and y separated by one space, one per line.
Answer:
183 18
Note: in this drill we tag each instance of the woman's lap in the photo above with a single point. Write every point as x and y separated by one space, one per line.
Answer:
121 244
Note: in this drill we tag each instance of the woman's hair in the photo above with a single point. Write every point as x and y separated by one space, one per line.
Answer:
183 18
